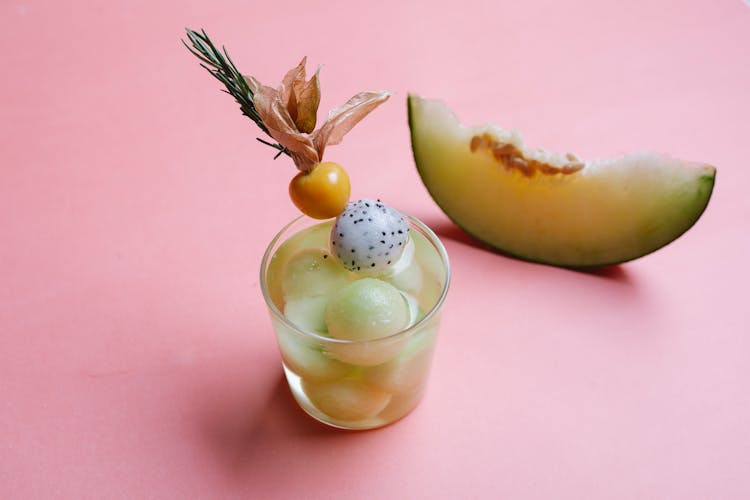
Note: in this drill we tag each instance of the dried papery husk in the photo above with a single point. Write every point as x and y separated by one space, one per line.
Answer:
290 114
308 100
281 127
341 120
301 97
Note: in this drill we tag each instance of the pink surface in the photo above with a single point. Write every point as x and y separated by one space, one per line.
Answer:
136 356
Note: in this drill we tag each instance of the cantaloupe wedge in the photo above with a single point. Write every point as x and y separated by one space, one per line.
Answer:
550 208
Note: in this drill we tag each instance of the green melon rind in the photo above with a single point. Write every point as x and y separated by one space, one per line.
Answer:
703 195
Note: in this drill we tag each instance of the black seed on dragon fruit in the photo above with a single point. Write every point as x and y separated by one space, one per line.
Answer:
368 237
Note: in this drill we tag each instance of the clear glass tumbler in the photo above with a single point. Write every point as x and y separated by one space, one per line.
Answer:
357 384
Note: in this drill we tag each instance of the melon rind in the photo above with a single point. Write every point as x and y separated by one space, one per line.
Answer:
610 212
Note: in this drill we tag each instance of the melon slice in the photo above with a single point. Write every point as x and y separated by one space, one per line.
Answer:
549 208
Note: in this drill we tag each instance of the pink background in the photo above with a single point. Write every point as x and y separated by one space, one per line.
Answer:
136 356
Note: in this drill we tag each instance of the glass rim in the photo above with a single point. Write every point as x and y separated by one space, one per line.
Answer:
434 241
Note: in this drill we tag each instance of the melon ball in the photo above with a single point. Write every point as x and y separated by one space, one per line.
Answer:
313 272
366 309
415 313
370 353
408 371
346 400
307 313
406 274
307 359
400 405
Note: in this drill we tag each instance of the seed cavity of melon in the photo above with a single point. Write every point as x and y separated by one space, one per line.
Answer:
512 158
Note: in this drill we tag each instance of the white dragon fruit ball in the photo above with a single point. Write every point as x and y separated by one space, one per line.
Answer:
366 309
368 237
313 272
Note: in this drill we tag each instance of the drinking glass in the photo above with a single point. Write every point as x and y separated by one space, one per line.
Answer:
358 384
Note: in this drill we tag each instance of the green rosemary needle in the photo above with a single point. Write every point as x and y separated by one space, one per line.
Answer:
220 66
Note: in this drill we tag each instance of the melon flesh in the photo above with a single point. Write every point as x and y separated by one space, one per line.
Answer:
549 208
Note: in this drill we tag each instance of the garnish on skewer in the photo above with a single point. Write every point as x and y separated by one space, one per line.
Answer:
288 114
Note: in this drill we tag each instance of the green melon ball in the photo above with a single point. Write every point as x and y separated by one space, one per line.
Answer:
408 371
366 309
406 273
346 400
307 313
306 359
313 272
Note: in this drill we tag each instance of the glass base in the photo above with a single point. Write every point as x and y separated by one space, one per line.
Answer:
387 411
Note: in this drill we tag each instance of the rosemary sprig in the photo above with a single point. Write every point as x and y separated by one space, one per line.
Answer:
221 67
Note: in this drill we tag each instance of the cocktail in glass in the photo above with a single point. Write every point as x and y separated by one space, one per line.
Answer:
352 384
